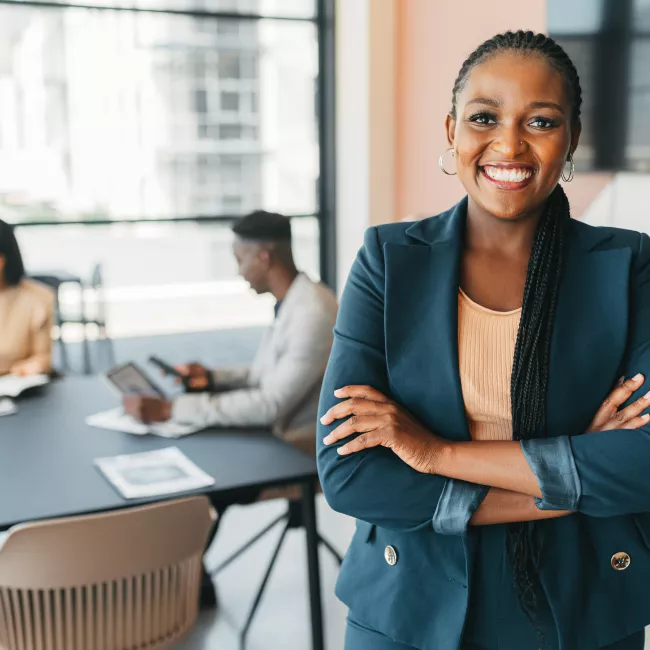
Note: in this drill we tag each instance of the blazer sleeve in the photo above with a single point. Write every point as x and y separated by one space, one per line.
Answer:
297 372
230 378
605 473
373 485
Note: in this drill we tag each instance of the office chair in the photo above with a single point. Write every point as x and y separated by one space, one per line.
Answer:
103 357
125 579
292 519
55 280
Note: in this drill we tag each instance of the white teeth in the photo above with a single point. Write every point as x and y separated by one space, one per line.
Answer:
507 174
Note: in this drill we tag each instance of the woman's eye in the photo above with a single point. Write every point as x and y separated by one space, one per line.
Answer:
483 119
542 123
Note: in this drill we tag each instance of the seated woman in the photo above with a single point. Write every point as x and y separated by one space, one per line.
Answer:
26 313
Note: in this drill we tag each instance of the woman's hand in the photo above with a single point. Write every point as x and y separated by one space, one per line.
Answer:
608 415
382 423
26 368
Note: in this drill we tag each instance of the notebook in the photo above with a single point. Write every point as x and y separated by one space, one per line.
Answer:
117 420
12 385
153 473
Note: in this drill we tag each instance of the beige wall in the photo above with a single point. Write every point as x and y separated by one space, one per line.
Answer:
366 123
396 64
434 37
383 105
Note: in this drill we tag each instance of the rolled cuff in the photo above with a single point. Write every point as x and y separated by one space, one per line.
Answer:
552 462
224 379
194 409
458 501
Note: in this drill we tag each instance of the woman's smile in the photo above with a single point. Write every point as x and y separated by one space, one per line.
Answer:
507 176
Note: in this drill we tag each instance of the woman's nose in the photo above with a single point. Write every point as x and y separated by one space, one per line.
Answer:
509 142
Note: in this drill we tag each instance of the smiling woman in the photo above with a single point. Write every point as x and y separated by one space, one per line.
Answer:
515 125
472 409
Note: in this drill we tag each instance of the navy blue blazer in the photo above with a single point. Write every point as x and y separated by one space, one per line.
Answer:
397 331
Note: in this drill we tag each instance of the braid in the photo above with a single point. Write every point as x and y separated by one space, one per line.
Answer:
530 372
532 351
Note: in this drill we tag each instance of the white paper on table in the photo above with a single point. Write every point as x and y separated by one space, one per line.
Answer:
7 406
13 385
117 420
153 473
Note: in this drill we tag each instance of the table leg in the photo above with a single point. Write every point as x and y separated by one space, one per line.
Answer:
82 318
309 520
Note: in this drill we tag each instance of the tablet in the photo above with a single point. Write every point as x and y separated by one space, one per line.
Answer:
128 379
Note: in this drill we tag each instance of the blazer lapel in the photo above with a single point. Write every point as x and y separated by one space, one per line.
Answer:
589 334
590 330
422 323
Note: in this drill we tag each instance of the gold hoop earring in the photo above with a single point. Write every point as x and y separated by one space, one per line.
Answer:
572 170
441 161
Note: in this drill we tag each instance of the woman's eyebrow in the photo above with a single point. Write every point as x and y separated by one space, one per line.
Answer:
552 105
485 100
496 103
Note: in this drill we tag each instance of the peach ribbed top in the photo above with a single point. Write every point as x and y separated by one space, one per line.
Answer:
486 349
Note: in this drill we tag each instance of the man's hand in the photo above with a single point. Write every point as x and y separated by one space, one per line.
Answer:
147 409
195 376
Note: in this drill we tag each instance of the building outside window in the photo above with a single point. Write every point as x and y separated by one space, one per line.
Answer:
143 120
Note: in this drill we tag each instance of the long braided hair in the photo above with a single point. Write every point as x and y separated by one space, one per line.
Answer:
532 351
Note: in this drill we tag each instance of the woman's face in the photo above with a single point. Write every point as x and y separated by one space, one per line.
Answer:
512 133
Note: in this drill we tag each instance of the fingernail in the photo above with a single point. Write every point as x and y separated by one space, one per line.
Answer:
646 417
647 396
323 419
637 378
327 440
338 392
340 451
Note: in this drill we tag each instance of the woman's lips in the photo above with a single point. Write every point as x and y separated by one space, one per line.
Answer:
507 177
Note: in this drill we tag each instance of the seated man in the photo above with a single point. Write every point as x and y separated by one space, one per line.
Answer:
281 388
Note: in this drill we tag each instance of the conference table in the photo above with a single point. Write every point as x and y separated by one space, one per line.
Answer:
47 470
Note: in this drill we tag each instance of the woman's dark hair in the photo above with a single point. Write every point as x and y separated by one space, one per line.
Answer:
14 267
532 351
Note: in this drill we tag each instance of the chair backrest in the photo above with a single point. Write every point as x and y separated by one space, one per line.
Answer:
112 581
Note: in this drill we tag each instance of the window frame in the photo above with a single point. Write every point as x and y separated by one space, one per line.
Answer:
325 106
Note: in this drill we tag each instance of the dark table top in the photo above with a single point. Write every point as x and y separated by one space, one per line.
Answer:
47 453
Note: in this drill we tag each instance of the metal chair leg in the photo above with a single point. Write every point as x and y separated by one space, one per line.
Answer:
63 356
247 545
260 591
331 549
84 325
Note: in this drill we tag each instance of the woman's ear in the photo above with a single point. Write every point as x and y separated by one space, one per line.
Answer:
576 130
450 127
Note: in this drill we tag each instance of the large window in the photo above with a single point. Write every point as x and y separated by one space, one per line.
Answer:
609 40
106 114
124 111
